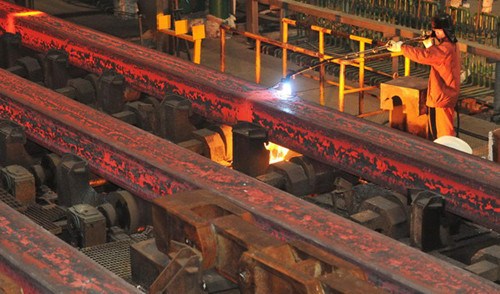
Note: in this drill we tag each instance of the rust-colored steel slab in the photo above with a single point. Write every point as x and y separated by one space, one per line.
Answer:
133 158
39 262
379 154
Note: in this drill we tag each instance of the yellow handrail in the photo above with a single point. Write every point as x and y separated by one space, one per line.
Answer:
180 31
356 62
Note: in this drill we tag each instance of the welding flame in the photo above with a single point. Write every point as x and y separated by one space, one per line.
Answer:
277 153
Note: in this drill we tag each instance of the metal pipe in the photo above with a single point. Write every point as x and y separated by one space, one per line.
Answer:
379 154
361 95
141 37
257 61
321 49
284 57
342 87
151 167
39 262
496 100
222 50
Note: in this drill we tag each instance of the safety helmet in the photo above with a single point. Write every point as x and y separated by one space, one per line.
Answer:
443 21
455 143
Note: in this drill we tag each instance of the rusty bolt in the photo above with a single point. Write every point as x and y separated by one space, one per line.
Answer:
244 276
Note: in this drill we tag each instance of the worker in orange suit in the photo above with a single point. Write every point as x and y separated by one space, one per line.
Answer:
442 54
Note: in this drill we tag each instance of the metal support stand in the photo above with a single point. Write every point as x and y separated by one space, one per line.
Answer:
250 156
425 224
12 141
10 45
174 119
110 92
177 16
55 69
73 182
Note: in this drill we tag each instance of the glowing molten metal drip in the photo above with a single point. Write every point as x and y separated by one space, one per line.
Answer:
97 182
277 153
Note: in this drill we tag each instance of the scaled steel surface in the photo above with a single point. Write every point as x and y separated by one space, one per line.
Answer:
153 167
40 262
379 154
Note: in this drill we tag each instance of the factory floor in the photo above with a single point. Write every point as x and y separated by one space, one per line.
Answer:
240 62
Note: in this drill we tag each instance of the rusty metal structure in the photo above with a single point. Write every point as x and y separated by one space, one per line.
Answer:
393 159
123 154
50 120
27 252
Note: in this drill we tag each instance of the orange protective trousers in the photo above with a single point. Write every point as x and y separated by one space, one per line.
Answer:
441 122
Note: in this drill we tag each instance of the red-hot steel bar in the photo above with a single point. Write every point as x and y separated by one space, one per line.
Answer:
39 262
153 167
382 155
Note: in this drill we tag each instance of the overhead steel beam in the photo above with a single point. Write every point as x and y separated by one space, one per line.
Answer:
153 167
379 154
39 262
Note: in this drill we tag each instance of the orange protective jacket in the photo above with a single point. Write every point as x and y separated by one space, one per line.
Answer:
444 77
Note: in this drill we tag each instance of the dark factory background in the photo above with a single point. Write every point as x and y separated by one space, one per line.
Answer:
245 146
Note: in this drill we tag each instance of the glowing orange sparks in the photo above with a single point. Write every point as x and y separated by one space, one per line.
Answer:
277 153
97 182
12 16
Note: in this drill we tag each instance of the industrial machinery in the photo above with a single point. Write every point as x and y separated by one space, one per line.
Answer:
355 205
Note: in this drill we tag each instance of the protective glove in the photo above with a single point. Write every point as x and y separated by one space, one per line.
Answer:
394 46
428 42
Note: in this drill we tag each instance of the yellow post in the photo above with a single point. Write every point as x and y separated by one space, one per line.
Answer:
198 35
222 50
321 69
361 96
407 66
197 51
341 86
321 49
257 61
284 40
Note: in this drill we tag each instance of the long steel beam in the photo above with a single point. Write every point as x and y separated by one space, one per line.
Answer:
152 167
39 262
382 155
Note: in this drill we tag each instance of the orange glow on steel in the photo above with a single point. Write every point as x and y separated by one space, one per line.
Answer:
12 16
277 153
97 182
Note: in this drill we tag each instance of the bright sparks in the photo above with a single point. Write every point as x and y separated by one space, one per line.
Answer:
286 88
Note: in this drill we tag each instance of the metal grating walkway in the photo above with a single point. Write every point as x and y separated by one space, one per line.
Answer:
114 256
